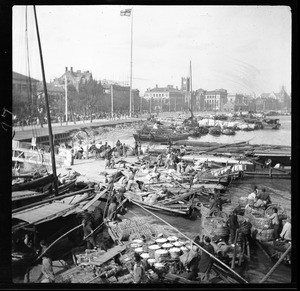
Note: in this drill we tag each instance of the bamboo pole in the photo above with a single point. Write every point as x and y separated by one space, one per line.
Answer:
234 250
276 265
248 249
262 249
242 254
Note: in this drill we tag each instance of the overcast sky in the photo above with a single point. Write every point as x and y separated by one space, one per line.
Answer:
243 49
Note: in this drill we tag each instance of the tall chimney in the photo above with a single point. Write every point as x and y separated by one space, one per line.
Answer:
66 69
72 69
156 86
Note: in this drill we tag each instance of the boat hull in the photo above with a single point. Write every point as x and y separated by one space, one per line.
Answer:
159 138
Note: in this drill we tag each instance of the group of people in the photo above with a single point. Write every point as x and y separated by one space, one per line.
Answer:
261 199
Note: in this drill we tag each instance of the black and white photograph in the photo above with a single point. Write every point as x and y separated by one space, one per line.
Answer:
151 144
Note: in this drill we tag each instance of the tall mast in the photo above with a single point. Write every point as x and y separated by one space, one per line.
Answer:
47 107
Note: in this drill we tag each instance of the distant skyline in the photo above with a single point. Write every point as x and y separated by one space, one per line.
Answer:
243 49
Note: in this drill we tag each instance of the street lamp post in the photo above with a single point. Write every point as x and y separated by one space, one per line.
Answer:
129 12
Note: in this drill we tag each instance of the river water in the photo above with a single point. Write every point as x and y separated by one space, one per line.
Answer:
280 192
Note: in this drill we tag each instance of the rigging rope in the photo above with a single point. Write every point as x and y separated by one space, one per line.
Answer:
212 256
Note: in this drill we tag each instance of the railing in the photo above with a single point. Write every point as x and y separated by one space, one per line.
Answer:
22 152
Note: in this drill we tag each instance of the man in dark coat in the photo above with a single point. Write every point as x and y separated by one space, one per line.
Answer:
233 225
206 261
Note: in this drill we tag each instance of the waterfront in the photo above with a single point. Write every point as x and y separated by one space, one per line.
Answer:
280 192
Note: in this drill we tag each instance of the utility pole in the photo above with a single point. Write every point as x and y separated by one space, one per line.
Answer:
129 12
66 99
112 100
191 90
131 65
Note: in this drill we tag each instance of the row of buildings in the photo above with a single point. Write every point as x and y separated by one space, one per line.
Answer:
167 98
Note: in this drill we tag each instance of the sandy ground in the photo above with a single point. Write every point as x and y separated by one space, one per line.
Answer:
93 169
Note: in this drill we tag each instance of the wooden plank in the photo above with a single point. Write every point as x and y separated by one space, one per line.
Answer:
108 255
157 207
181 197
178 279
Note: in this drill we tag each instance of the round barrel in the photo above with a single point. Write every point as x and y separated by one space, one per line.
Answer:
152 250
160 255
145 256
167 246
135 245
172 239
161 241
175 253
178 244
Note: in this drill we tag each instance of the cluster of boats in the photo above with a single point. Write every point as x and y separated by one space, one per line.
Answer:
195 126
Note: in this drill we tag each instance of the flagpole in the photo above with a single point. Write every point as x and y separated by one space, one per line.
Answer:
130 112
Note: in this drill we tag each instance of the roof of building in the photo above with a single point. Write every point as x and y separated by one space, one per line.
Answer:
20 77
215 92
164 89
51 87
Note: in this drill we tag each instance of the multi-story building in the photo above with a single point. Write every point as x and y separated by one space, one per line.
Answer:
200 100
74 78
215 100
121 96
168 98
23 87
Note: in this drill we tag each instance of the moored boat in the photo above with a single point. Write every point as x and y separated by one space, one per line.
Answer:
270 123
215 130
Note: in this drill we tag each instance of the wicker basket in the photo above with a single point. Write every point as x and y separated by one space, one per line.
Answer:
249 211
228 208
205 209
260 222
281 211
221 230
265 234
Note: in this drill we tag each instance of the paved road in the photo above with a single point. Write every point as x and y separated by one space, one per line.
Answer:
28 131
